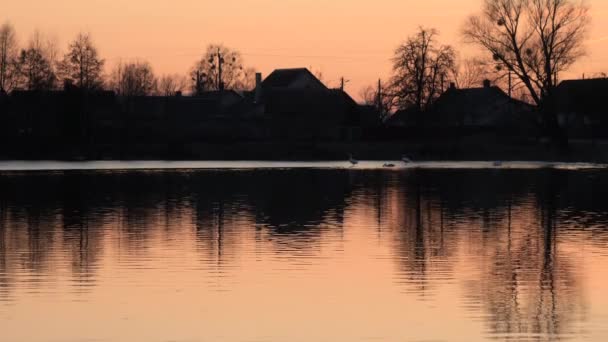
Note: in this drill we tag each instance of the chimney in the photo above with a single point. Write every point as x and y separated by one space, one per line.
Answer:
487 84
452 85
258 87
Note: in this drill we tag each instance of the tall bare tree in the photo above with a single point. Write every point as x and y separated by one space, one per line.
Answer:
133 79
81 65
8 57
217 60
534 39
420 67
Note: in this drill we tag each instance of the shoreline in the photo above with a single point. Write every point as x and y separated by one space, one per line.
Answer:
160 165
584 151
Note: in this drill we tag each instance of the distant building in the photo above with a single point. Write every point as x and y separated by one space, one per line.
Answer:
300 107
289 105
487 107
582 107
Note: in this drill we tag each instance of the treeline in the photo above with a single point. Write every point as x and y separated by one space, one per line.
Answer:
38 65
526 44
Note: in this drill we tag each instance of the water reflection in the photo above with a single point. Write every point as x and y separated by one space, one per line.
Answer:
516 251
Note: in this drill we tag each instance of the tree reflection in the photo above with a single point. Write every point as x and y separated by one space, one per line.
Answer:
503 237
521 278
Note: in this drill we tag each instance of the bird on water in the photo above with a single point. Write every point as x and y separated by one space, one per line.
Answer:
352 160
406 159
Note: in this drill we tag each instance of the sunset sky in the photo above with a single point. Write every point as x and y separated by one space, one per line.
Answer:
350 38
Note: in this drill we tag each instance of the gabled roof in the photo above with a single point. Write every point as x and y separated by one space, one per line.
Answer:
282 78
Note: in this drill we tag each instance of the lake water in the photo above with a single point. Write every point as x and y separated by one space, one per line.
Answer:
303 252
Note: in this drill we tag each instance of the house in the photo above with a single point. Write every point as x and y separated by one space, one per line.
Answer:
299 106
484 108
289 105
581 106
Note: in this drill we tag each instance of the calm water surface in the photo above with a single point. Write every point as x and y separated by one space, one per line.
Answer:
304 255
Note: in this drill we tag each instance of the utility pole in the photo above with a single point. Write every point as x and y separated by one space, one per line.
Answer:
379 99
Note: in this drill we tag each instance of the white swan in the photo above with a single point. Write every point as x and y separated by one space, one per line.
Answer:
406 159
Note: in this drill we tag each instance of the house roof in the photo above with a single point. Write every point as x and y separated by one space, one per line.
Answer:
471 96
484 106
591 85
282 78
583 95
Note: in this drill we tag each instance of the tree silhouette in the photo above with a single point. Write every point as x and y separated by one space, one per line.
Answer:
169 85
420 67
34 70
81 65
8 57
47 45
217 60
536 40
471 72
133 79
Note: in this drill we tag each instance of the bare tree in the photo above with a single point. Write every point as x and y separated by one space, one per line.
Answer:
169 85
133 79
81 65
48 47
420 67
33 67
247 81
471 72
220 68
536 40
369 95
8 57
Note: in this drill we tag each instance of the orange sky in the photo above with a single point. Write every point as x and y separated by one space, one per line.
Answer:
350 38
